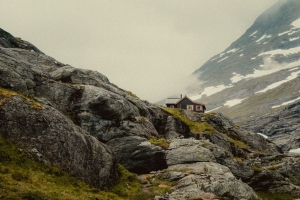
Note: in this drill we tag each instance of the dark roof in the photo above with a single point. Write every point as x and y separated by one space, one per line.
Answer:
185 97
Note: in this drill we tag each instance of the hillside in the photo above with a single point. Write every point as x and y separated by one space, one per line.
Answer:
258 74
247 79
75 128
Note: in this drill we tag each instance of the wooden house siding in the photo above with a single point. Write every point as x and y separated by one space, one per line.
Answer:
183 104
187 104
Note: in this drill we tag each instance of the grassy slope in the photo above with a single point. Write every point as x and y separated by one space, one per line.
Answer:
22 178
202 127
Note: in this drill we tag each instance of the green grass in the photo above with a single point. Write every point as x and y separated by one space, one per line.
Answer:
162 142
237 143
195 127
257 169
4 93
271 196
131 94
22 178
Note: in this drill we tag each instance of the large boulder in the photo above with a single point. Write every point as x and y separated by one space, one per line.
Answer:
50 137
188 151
137 154
203 179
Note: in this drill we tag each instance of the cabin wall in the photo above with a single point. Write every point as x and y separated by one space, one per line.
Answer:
182 104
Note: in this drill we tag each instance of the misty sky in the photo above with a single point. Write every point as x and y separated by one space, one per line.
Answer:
146 46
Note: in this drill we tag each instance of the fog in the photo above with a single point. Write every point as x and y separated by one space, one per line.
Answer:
148 47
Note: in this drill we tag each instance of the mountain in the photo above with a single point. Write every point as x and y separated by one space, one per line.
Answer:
259 72
73 127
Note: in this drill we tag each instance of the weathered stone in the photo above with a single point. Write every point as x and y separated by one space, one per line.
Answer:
49 136
208 178
173 176
137 154
187 151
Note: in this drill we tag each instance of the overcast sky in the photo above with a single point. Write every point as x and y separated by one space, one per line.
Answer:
145 46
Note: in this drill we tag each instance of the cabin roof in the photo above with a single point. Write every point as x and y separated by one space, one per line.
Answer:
185 97
172 100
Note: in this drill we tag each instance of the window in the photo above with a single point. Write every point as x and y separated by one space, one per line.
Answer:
198 108
190 107
172 106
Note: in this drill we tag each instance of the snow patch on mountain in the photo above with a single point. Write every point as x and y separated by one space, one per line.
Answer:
213 59
263 37
269 67
223 59
214 109
293 39
253 34
283 33
296 23
286 103
233 102
211 90
232 50
222 54
274 85
236 78
284 52
241 54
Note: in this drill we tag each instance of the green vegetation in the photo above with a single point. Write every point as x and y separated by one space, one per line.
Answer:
141 119
129 186
240 160
131 94
271 196
195 127
22 178
8 94
257 169
237 143
294 178
162 142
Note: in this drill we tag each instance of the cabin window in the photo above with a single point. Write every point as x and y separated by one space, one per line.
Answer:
198 108
190 107
172 106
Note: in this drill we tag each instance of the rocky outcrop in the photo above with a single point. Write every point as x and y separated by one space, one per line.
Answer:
86 97
183 151
202 179
78 120
231 137
49 137
9 41
282 127
138 154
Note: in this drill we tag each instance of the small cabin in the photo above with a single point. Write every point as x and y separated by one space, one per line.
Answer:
185 103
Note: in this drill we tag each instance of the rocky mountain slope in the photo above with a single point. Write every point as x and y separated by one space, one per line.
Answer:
79 121
282 127
259 72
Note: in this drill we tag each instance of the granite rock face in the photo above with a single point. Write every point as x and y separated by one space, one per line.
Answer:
48 136
207 179
282 127
138 154
187 151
